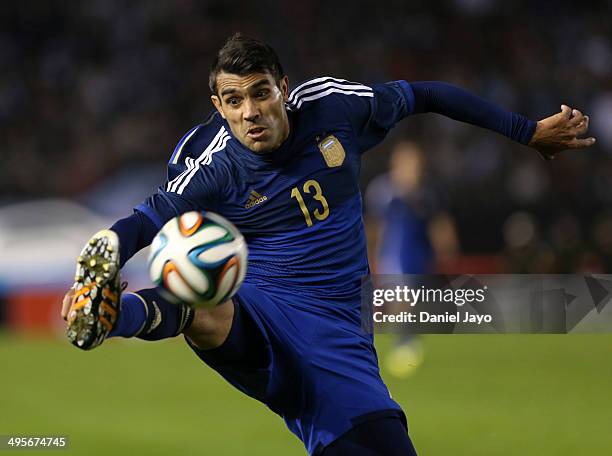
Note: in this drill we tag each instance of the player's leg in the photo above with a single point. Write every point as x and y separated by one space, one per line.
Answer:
243 358
210 328
379 437
97 310
147 315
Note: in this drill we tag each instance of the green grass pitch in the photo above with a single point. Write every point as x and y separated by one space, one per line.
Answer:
474 395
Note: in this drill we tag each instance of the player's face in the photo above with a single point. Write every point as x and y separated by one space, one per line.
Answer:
254 107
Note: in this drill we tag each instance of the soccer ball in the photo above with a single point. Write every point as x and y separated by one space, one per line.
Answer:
198 258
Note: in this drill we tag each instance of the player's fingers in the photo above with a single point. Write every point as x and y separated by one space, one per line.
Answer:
66 303
581 143
583 127
566 111
577 118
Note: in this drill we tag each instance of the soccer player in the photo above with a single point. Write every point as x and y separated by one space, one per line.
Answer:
408 210
283 167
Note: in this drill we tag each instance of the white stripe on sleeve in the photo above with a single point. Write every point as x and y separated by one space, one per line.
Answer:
191 164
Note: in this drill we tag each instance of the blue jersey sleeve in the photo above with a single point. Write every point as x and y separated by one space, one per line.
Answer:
374 110
191 184
374 116
390 103
459 104
371 111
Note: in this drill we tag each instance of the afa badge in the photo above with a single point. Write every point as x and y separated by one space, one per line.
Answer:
332 151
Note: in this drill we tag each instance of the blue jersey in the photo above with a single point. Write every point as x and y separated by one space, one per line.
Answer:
299 208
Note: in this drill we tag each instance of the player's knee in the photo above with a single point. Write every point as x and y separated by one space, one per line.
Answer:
210 327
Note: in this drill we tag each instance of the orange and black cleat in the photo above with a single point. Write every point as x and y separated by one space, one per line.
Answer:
96 302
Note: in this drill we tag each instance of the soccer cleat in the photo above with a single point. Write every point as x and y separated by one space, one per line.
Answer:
95 305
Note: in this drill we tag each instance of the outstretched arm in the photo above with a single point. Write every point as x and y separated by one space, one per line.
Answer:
548 136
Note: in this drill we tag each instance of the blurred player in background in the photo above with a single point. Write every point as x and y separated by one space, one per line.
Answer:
412 229
292 336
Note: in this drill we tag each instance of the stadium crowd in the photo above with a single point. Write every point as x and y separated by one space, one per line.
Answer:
89 88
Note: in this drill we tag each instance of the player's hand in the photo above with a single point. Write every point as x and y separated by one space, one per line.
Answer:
66 303
561 131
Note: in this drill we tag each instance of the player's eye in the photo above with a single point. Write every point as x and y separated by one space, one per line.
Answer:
233 101
262 93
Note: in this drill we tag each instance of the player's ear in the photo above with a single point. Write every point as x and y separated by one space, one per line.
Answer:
284 87
217 102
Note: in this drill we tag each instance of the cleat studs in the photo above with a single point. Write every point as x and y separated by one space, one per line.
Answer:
96 271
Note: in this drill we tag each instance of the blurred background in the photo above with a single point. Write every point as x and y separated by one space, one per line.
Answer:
94 96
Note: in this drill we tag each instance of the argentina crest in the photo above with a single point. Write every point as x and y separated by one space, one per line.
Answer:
332 151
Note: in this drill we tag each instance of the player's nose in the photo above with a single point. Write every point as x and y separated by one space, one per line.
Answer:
251 111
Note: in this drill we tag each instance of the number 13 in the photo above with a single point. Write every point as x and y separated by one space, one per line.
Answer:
318 195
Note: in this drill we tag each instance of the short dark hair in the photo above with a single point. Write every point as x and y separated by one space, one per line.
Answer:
242 55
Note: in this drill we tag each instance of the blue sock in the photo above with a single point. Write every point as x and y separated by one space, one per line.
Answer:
132 317
148 315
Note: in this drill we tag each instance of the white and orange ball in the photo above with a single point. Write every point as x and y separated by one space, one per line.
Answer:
198 258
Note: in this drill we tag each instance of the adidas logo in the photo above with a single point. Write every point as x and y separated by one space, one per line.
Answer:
254 198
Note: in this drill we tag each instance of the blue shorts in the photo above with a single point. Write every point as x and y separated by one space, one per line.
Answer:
387 436
307 359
